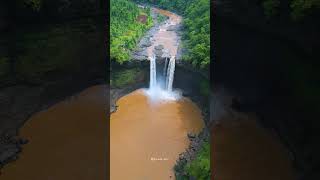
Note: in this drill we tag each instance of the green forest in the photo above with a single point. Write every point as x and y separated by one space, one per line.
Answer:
125 28
296 9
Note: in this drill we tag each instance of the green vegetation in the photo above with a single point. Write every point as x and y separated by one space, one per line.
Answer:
125 77
197 36
4 66
304 79
205 88
161 18
125 28
196 33
34 4
199 168
44 52
271 7
298 8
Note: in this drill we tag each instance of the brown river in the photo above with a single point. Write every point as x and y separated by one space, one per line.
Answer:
169 39
146 139
68 141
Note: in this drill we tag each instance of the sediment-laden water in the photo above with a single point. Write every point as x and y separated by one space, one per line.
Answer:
166 36
146 138
67 141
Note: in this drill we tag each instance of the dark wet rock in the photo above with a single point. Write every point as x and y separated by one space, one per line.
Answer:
159 47
139 57
191 135
158 53
10 147
145 43
172 28
8 152
23 141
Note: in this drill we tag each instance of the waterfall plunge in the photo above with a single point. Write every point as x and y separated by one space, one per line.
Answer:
155 91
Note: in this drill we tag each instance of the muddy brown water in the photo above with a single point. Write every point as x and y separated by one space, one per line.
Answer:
67 141
244 151
169 39
145 139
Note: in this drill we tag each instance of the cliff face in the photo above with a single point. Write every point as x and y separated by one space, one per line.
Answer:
45 58
271 67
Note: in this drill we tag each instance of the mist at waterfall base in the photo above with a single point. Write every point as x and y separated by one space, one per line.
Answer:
160 87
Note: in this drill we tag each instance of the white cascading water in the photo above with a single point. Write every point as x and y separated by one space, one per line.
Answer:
153 73
155 92
170 74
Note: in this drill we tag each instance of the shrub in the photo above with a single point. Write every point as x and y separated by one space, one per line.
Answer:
199 168
271 7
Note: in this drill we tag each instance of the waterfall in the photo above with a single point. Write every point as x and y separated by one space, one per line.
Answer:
153 72
170 74
156 91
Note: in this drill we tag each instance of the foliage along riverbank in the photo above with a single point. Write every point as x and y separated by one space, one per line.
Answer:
128 23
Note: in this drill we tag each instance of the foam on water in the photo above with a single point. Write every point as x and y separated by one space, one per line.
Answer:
158 94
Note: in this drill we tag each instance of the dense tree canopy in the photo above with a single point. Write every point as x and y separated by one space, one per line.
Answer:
125 28
298 9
